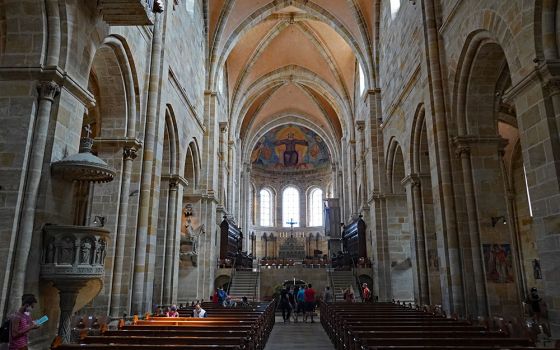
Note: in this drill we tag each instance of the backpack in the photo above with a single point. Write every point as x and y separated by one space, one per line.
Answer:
5 332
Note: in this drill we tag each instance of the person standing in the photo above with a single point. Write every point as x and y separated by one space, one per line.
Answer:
285 305
309 297
300 298
21 323
366 293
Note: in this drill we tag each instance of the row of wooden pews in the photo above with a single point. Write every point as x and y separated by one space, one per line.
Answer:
383 326
224 328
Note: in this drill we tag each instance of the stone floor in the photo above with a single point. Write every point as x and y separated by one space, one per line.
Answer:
298 336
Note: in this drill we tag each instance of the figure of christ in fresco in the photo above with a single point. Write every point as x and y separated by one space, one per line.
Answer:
290 153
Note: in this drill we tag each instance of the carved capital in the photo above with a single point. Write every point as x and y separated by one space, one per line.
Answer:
130 153
361 125
48 90
462 150
552 87
413 179
173 183
223 127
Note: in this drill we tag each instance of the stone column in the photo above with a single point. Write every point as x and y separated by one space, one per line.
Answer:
129 154
448 241
413 185
509 198
472 258
222 164
361 126
147 169
68 292
170 238
48 90
352 176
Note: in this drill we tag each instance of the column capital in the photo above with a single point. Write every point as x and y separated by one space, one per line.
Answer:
48 90
223 127
130 153
175 180
413 180
361 125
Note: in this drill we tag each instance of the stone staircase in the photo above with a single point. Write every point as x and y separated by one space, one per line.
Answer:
245 284
340 281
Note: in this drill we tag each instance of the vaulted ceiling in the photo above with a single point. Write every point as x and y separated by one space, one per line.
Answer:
294 59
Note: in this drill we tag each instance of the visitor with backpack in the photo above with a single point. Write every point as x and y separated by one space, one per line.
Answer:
15 330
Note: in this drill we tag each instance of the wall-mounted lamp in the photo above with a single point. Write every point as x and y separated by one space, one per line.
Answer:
496 219
98 221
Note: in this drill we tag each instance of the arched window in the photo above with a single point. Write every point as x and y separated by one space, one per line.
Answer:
189 4
361 79
266 207
395 6
290 206
316 207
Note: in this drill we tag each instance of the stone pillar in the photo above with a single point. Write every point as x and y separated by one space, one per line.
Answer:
538 106
170 242
448 241
334 180
413 189
352 176
68 292
129 154
472 257
152 113
48 90
222 164
361 126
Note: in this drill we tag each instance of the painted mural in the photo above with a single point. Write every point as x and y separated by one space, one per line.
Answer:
498 262
290 147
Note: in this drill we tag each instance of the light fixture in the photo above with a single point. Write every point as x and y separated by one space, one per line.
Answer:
98 221
496 219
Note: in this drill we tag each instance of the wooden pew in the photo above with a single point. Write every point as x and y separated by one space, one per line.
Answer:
231 329
390 326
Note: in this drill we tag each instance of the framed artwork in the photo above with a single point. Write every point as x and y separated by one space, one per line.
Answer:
498 262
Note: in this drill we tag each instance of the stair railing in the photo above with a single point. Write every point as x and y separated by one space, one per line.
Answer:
356 278
232 275
329 275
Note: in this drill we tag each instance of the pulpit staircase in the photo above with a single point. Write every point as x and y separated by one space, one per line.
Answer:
245 284
340 280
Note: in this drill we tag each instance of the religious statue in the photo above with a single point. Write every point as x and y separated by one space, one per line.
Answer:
290 153
49 258
67 251
85 252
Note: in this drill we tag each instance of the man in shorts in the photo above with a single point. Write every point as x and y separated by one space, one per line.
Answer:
309 298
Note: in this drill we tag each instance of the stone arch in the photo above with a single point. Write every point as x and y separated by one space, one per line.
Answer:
118 91
192 166
398 230
318 13
171 133
486 24
483 196
475 81
395 167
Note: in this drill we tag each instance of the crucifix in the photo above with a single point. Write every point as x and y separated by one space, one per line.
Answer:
291 223
88 130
